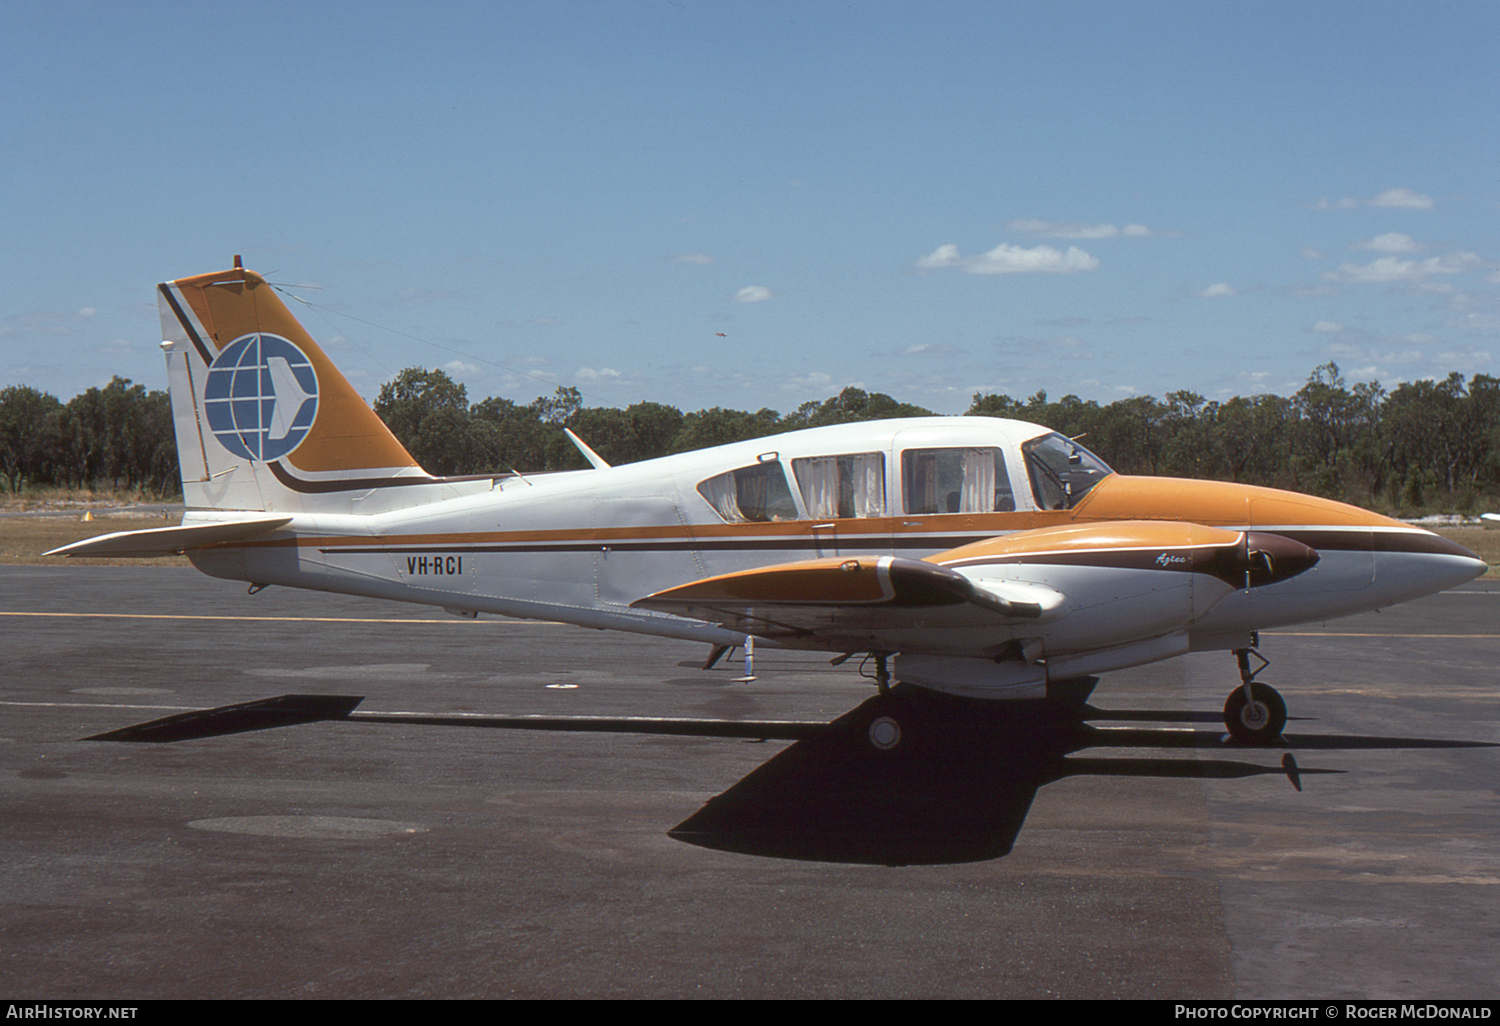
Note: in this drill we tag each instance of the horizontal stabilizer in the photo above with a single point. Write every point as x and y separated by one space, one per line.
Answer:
289 710
263 714
168 541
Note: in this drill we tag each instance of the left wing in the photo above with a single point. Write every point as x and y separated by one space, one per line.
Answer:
834 596
1129 581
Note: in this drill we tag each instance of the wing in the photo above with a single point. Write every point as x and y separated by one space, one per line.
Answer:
1128 581
841 599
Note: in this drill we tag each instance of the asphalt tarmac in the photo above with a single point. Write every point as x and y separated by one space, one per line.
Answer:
1103 845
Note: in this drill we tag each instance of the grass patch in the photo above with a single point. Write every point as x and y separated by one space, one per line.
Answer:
1484 544
24 539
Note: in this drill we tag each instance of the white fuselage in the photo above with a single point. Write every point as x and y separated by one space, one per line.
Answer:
580 547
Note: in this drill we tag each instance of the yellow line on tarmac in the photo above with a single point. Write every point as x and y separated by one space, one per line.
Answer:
1370 634
282 619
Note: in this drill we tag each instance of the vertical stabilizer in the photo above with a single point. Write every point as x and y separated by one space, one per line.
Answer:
264 419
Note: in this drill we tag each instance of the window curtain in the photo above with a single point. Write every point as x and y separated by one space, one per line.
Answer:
723 497
818 480
978 494
869 485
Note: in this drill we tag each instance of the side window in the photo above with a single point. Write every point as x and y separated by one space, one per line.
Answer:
842 486
955 481
755 493
1062 471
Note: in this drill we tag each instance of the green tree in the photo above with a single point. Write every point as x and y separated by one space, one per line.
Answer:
428 412
719 426
848 407
512 437
24 413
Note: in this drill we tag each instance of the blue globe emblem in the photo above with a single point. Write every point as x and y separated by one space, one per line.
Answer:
261 396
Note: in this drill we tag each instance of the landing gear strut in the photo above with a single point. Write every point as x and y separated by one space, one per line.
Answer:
1255 713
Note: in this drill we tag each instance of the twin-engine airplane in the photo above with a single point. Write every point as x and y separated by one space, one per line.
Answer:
969 555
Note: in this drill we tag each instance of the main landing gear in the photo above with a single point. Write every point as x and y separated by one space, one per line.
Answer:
1255 713
890 722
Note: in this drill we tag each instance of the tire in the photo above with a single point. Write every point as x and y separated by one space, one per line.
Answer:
893 727
1255 722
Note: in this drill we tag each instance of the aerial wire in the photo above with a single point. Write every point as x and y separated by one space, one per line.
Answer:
324 313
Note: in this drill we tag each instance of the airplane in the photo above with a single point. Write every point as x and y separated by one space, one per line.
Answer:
973 556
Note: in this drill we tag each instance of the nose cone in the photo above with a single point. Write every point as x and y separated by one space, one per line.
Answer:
1441 562
1272 558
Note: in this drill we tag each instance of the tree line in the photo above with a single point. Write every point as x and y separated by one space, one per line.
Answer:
1420 446
119 436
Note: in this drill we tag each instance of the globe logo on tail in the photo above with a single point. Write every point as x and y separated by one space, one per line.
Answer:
261 396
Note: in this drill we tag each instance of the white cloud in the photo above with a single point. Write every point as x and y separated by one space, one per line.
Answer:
1327 204
1310 253
1216 290
592 376
1008 259
1328 327
1464 360
1391 242
459 367
931 349
807 382
753 294
1074 230
1389 198
1476 322
1392 269
693 258
1402 198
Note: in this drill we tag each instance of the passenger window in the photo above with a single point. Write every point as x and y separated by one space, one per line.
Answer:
955 481
757 493
842 486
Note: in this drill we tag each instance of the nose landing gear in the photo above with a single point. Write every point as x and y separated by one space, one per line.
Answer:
1255 713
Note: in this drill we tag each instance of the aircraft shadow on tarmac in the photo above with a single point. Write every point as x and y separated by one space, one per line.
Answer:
957 786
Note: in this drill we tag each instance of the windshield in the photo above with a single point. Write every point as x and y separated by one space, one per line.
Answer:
1062 471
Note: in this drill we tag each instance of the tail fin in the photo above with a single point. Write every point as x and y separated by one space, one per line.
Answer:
264 420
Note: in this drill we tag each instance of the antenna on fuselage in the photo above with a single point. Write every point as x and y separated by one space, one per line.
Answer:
588 454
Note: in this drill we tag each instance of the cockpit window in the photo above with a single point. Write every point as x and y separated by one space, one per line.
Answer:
842 486
968 480
755 493
1062 471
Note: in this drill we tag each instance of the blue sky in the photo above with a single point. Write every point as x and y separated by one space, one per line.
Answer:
752 204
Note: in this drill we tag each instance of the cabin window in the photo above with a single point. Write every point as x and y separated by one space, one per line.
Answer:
842 486
968 480
1062 471
756 493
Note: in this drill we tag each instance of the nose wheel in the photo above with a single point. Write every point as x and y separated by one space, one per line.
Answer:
1255 713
